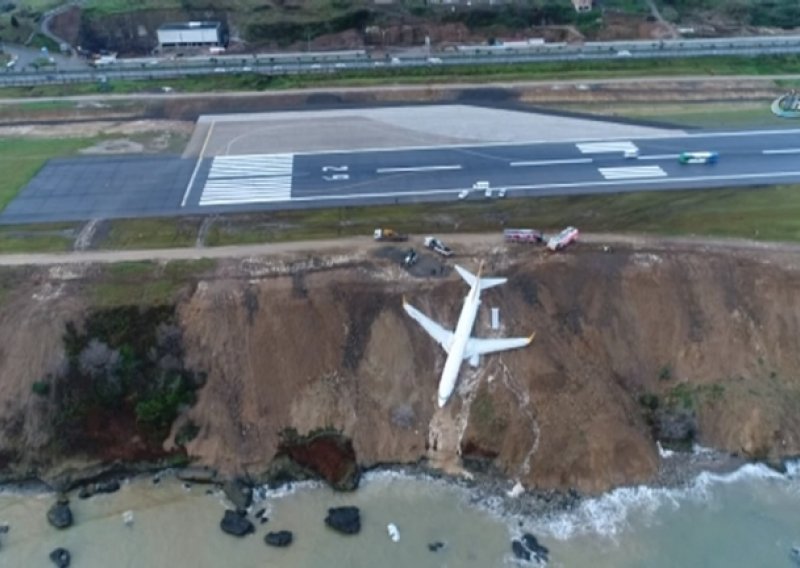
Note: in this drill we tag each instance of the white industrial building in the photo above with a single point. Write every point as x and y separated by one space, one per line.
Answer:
190 33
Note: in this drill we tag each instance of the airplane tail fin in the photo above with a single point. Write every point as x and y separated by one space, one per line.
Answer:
471 279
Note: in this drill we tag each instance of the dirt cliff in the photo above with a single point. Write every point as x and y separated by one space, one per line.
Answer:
632 345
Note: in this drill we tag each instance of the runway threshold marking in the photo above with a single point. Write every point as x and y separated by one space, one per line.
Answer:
550 162
418 169
259 178
783 151
197 166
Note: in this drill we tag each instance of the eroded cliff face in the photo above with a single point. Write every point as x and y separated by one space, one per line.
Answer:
631 344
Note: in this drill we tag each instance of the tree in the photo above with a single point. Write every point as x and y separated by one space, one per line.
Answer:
14 21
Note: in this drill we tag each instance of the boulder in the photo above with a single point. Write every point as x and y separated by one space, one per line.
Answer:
346 520
279 538
238 493
60 515
520 552
236 523
60 557
435 546
540 552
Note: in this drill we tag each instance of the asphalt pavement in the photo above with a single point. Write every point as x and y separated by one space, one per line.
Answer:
86 188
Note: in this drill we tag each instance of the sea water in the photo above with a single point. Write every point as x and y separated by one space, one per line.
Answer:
745 518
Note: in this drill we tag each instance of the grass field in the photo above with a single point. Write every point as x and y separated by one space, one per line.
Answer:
52 237
765 214
151 233
734 114
21 158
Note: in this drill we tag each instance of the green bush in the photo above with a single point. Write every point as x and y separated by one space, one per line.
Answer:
41 388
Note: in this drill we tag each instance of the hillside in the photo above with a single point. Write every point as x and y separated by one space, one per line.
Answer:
675 343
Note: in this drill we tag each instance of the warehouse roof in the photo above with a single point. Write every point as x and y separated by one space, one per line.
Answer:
190 26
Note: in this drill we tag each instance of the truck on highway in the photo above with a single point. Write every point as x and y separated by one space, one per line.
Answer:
438 246
523 236
389 235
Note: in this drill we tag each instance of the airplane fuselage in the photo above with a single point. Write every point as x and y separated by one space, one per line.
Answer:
466 321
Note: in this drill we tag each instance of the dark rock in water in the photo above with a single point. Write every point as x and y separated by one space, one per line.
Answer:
280 538
60 515
236 523
4 527
238 493
263 520
520 551
107 487
60 557
197 475
346 520
260 513
540 552
85 492
435 546
795 554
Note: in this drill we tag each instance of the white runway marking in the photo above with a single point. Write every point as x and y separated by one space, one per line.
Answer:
418 169
550 162
607 147
783 151
660 157
248 179
632 172
244 166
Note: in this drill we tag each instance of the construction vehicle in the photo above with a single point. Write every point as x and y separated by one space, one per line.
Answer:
438 246
523 236
389 235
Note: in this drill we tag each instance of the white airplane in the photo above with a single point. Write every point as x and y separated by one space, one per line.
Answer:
458 344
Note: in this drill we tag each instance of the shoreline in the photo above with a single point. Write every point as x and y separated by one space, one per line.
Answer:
489 491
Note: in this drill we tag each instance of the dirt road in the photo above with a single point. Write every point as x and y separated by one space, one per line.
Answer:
475 242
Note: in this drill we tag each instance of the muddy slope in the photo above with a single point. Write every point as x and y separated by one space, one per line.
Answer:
631 346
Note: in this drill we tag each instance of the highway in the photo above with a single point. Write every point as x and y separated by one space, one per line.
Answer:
335 62
112 187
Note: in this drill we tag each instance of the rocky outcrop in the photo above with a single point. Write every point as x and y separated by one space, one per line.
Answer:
279 538
324 454
346 520
236 523
61 557
60 515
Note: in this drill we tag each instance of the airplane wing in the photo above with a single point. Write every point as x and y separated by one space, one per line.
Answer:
476 347
443 336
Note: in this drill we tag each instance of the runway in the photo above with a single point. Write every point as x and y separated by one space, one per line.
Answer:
181 186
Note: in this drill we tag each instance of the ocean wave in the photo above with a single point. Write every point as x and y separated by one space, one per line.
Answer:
609 514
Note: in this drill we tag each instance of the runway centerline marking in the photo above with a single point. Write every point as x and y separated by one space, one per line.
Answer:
783 151
550 162
418 169
632 172
660 157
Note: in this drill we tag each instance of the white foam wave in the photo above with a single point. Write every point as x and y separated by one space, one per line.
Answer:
664 453
609 514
